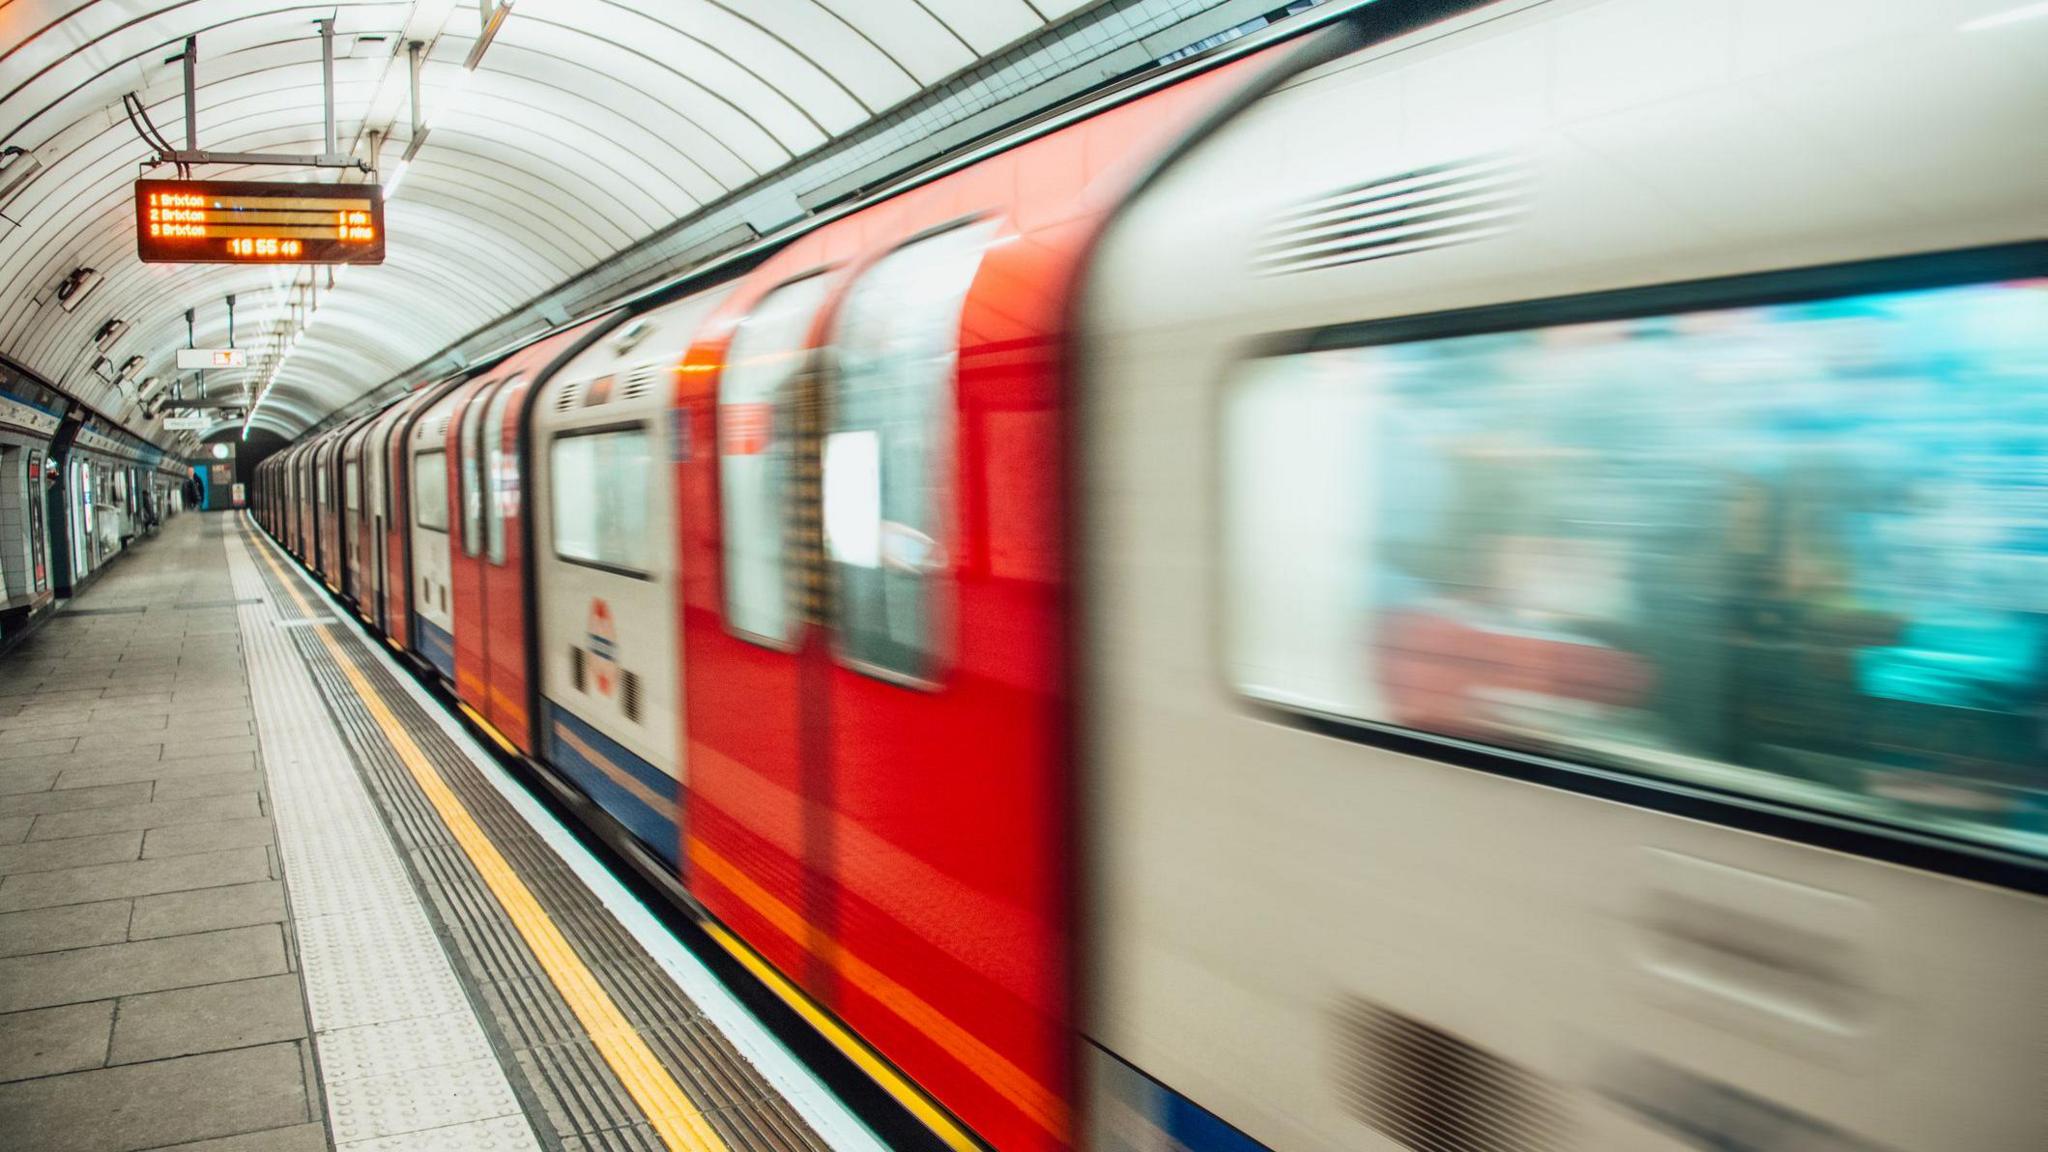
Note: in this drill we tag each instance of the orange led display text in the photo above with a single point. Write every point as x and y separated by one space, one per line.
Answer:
251 222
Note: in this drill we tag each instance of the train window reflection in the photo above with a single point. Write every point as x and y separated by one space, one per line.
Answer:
501 476
600 499
1798 551
755 410
470 453
430 490
886 459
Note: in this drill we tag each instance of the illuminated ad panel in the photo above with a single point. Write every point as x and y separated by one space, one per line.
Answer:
248 222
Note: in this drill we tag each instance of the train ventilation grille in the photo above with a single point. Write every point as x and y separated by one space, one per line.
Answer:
1433 207
629 695
567 397
1433 1092
638 383
576 666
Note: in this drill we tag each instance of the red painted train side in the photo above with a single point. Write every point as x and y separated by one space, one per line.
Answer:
900 847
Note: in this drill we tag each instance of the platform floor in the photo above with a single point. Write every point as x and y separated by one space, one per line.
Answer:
258 891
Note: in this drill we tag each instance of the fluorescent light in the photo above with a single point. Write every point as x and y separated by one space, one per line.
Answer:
2009 16
397 177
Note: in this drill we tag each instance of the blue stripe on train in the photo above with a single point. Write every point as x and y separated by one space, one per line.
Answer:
436 645
1136 1100
571 744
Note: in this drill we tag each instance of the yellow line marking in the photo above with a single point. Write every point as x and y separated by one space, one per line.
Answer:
1013 1083
891 1081
661 1099
496 736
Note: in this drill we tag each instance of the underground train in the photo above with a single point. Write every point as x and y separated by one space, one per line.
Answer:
75 492
1462 585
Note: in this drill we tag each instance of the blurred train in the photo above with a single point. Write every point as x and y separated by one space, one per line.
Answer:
75 492
1474 584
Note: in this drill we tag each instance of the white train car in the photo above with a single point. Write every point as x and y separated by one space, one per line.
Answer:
1563 587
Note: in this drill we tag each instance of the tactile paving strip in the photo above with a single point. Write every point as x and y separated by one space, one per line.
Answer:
578 1095
373 965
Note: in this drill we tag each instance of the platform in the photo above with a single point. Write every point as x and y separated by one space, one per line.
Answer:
259 892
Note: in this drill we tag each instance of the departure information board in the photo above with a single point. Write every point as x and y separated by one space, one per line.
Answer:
250 222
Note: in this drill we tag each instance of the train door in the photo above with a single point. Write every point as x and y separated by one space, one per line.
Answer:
399 519
350 452
433 512
606 567
505 592
489 583
749 733
465 554
370 601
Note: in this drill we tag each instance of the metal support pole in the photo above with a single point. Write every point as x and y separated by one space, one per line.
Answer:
191 93
231 321
326 79
413 49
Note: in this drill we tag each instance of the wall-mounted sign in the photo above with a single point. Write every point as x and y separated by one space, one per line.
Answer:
212 358
252 222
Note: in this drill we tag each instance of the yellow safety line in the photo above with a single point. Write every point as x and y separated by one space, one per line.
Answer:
661 1099
496 736
1011 1082
853 1047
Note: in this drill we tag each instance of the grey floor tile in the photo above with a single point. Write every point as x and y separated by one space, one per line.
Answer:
36 778
133 878
69 799
37 724
297 1138
183 787
222 746
77 852
14 829
47 1041
70 926
207 910
96 820
82 974
166 1102
149 768
107 739
135 694
211 1018
212 836
22 749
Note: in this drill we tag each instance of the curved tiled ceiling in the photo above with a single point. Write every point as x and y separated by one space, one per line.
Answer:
586 126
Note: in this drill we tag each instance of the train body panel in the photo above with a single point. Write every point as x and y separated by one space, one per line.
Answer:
487 570
1346 733
355 511
600 435
879 784
1340 484
433 519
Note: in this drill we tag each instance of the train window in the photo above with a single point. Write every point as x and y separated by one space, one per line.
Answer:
469 451
755 454
501 469
1792 550
889 449
430 490
601 484
352 485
